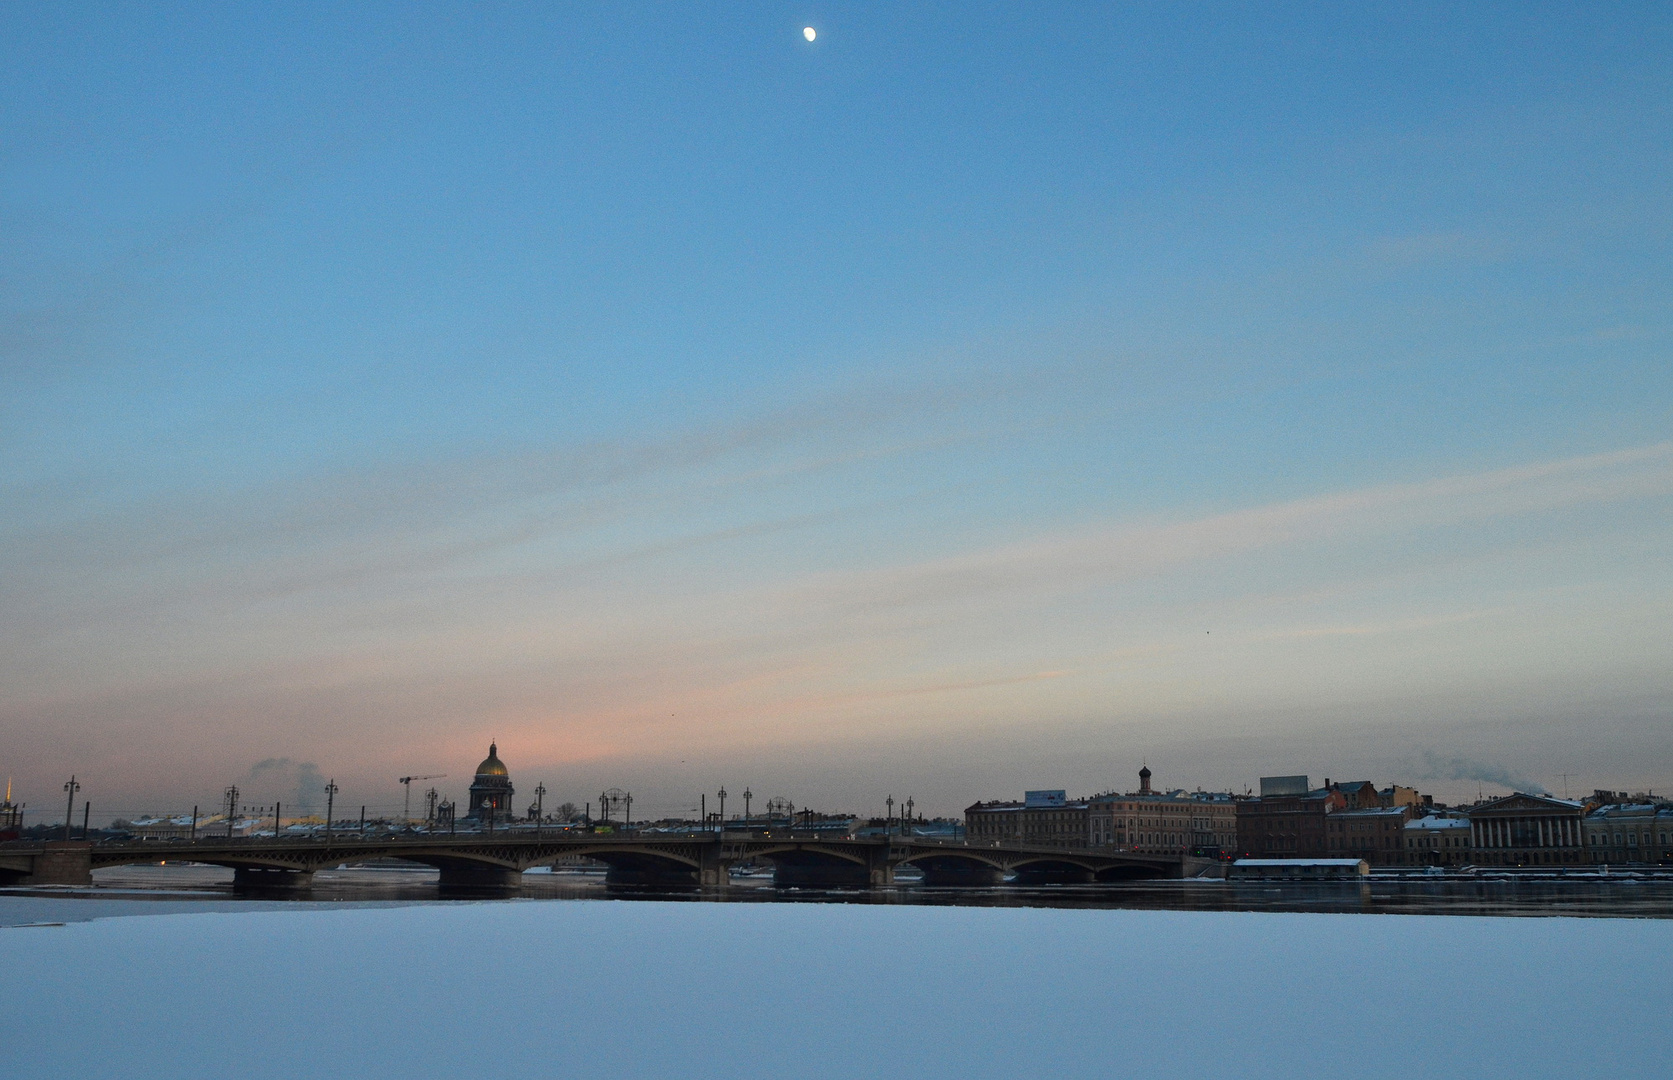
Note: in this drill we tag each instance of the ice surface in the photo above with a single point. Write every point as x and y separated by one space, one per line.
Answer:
690 990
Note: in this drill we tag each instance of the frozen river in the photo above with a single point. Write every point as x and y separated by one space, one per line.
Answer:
660 990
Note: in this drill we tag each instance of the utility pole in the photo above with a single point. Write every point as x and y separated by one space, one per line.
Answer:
330 802
232 807
71 787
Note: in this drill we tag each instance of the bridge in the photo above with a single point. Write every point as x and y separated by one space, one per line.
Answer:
497 860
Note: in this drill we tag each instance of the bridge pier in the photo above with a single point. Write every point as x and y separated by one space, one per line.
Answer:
712 870
270 879
63 862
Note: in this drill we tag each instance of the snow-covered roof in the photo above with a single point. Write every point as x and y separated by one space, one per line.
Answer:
1438 823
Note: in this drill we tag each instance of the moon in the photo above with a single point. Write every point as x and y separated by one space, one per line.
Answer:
809 32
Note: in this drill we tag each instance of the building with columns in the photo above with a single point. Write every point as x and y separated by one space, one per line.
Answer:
491 789
1527 830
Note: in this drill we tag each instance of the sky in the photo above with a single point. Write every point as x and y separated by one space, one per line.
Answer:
976 398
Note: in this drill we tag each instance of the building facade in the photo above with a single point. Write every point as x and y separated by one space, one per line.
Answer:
1527 830
1040 821
1175 822
1437 841
1376 835
1287 821
1630 833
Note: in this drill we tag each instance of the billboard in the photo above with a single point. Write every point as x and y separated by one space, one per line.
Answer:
1045 798
1284 785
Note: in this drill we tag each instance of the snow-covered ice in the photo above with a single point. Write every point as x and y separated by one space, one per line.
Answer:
695 990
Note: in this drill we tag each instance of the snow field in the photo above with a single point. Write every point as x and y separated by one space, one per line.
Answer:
696 990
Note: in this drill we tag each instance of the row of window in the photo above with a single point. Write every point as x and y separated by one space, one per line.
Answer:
1602 839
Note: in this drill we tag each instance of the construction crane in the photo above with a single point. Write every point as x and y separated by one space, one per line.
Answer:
406 782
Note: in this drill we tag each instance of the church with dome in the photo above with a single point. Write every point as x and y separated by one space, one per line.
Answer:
491 791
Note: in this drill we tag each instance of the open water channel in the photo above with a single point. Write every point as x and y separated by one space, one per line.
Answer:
137 890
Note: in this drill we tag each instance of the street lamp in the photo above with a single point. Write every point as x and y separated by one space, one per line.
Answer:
232 807
70 787
539 806
330 802
722 827
889 819
909 805
747 797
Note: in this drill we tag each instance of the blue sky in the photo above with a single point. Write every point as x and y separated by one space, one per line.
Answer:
890 411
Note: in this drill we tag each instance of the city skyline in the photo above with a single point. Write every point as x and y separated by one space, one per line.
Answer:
939 407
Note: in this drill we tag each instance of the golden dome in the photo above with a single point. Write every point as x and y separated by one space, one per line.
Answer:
492 765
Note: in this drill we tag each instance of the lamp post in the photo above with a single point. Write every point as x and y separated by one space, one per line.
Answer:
909 805
747 797
70 788
627 819
330 802
275 821
539 807
722 827
889 818
232 807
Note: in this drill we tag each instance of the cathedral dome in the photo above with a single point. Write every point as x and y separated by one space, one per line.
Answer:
492 765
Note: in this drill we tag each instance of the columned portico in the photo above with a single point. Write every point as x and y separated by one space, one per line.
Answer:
1527 830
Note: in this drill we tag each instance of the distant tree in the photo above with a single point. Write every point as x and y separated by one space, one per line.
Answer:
568 812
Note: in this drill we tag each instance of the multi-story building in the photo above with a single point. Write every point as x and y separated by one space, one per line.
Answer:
1358 794
1043 819
1635 832
1527 830
1163 822
1376 835
1437 840
1287 821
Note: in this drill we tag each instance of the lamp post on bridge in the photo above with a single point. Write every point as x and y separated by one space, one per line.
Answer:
539 807
722 827
909 805
232 807
70 788
330 802
747 797
889 818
